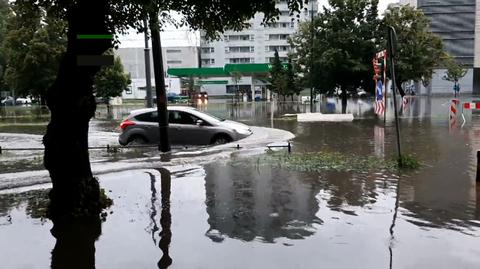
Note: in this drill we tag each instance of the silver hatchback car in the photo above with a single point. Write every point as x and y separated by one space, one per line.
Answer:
187 126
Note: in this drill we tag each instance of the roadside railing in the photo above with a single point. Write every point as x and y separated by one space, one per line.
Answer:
113 149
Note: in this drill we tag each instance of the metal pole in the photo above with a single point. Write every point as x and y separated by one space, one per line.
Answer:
311 57
148 77
478 166
391 52
385 82
455 88
164 145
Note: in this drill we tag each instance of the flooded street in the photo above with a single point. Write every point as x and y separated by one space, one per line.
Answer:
223 207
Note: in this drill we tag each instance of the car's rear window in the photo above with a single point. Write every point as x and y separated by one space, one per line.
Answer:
147 117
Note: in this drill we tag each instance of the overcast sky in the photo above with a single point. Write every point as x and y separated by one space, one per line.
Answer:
184 37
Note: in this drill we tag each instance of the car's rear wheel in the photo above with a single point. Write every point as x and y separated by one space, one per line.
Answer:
221 139
137 140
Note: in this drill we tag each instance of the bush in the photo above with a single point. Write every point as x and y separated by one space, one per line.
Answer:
408 162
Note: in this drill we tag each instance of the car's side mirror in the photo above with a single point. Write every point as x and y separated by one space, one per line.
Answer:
200 122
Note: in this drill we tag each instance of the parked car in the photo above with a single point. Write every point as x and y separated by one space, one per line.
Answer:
23 101
200 97
361 94
175 98
8 101
187 126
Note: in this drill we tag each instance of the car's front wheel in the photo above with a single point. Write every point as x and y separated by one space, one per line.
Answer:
221 139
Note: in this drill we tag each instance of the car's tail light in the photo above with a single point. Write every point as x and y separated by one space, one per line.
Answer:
126 123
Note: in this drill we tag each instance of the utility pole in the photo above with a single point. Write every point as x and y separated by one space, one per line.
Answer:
147 67
392 37
159 73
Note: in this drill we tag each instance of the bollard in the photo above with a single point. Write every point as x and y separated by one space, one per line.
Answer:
0 150
478 166
238 146
289 147
108 148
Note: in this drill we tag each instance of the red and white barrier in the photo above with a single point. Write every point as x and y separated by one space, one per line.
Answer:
453 113
471 106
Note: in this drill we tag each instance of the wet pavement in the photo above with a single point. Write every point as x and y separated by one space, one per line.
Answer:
228 210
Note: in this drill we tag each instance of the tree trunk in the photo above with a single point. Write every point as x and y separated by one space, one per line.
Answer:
159 74
344 100
42 100
71 102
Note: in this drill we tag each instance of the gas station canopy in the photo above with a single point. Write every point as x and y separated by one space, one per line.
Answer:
226 71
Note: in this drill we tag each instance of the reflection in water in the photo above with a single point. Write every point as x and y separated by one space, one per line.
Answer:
394 221
75 245
165 215
379 141
153 207
441 195
36 203
165 218
267 204
347 189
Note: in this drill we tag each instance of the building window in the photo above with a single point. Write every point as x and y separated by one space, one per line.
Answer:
239 49
174 62
278 48
278 25
208 50
239 37
173 51
282 59
145 88
242 60
208 61
278 37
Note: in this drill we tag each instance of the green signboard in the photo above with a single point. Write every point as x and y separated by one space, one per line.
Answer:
212 82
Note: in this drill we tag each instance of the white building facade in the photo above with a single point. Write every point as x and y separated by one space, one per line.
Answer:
133 60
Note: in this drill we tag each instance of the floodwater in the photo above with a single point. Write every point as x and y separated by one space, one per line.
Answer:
234 212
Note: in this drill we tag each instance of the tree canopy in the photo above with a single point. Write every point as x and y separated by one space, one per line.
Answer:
344 41
282 78
454 72
33 45
5 12
212 18
278 78
111 80
418 50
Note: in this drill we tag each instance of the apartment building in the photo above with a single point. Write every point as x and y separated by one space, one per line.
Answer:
255 44
133 60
